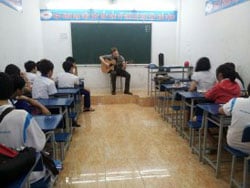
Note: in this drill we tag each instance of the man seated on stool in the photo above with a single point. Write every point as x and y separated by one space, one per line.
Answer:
118 70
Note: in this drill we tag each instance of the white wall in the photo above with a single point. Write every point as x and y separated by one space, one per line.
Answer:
57 46
57 39
222 36
20 34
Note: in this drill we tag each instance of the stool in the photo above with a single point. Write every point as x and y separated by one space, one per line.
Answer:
120 85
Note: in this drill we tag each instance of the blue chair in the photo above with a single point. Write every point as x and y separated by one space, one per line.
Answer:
240 154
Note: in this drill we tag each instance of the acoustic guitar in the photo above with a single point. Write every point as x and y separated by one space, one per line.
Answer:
110 67
107 69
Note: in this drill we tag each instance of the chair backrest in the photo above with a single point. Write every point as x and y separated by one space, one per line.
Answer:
246 134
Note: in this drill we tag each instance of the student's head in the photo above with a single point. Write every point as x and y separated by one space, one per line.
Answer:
114 52
6 86
46 67
70 59
18 85
68 66
203 64
225 71
230 64
30 66
12 69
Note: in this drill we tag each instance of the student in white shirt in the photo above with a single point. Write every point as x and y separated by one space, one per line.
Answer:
44 86
70 79
31 71
239 109
24 102
18 129
202 78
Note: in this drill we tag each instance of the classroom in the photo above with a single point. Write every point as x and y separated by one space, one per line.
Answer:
139 134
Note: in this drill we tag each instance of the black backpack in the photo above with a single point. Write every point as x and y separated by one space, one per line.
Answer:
14 164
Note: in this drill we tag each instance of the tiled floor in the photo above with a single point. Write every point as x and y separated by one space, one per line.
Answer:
127 145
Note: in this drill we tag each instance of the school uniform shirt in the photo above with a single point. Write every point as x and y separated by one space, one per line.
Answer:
239 109
205 80
66 79
43 87
31 77
223 91
19 129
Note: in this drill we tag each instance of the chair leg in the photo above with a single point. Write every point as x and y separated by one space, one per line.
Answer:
232 171
245 172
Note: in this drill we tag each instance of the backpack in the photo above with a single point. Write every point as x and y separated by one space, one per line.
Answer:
14 164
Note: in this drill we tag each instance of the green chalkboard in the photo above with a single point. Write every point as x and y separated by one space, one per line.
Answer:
90 40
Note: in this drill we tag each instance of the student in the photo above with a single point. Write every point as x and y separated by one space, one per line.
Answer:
226 88
44 86
239 109
23 102
69 78
31 70
18 129
238 78
119 69
12 69
202 78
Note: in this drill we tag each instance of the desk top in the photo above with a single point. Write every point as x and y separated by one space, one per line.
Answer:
154 66
48 122
211 108
58 102
191 95
72 91
174 87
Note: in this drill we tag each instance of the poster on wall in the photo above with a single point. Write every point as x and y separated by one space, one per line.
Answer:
107 15
14 4
213 6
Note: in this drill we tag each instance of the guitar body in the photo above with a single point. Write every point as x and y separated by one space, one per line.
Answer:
107 69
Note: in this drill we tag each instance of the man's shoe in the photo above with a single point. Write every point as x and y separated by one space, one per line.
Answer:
113 93
75 124
128 93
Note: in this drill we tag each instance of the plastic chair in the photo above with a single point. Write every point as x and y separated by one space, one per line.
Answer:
236 153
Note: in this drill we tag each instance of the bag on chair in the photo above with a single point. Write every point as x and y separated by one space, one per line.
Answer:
13 164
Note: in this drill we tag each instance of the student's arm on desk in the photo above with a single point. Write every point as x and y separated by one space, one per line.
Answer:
227 108
36 104
193 86
221 111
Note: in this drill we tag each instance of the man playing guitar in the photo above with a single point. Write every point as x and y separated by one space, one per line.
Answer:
117 68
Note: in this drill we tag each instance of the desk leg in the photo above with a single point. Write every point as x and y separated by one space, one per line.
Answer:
219 147
190 118
183 116
205 114
200 134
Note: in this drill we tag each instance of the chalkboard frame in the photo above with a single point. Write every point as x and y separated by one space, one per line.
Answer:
133 41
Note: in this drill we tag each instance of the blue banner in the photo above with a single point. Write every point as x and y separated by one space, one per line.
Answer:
107 15
213 6
14 4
